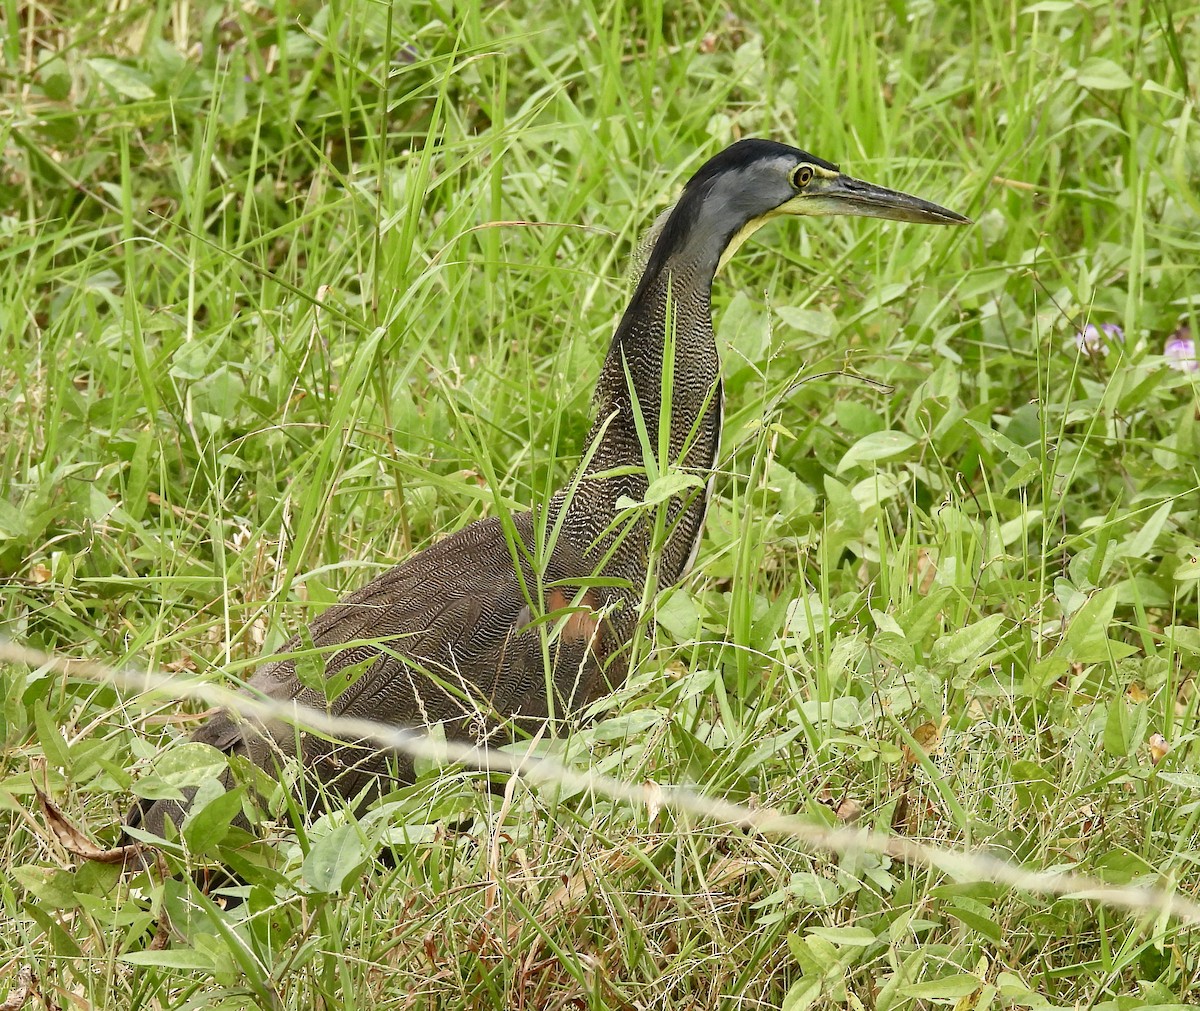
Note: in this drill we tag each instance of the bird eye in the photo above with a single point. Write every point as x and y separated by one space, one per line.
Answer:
802 176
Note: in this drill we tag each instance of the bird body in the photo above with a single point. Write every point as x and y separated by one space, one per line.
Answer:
493 630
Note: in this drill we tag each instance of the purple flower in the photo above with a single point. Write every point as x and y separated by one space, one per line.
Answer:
1180 351
1094 340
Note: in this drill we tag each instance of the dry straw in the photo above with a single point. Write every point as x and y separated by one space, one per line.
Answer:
960 864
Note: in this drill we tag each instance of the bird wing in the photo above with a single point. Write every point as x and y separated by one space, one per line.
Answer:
444 639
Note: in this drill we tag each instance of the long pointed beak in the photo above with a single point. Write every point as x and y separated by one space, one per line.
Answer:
845 195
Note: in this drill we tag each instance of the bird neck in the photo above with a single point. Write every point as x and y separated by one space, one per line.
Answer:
658 406
663 361
661 370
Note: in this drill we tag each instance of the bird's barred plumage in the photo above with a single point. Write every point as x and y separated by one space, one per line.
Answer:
457 635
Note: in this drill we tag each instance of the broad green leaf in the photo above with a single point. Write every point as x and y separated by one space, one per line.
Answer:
310 666
877 488
189 764
333 858
857 418
186 959
1020 527
13 524
1116 728
54 745
1190 569
977 917
628 725
802 994
1031 782
411 835
1099 74
192 359
1016 454
344 678
818 322
854 936
1182 780
209 820
674 482
1087 638
875 448
1184 638
1142 541
134 499
124 80
967 645
960 984
884 294
678 614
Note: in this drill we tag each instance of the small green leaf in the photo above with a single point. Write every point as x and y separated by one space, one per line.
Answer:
857 418
1184 638
1087 638
960 984
1031 782
1016 454
1182 780
13 524
802 994
818 322
976 916
343 679
332 859
172 958
189 764
876 447
859 937
1141 543
1099 74
310 667
207 823
1116 728
672 483
54 745
1190 569
124 80
967 645
192 358
138 482
678 614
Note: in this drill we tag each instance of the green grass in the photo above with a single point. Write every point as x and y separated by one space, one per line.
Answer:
288 294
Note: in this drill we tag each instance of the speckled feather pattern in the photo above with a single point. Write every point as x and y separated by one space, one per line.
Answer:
450 627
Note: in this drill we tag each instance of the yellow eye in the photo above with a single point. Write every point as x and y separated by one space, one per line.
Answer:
802 176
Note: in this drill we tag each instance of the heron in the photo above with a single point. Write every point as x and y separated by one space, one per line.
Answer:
513 621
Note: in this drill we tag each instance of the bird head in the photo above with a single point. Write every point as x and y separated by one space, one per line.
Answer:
754 181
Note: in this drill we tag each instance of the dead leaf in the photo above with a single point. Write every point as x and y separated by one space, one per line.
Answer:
1159 748
928 737
576 887
74 841
926 571
21 989
848 810
677 669
730 869
653 794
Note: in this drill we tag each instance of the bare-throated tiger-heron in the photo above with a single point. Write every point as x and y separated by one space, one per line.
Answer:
459 635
